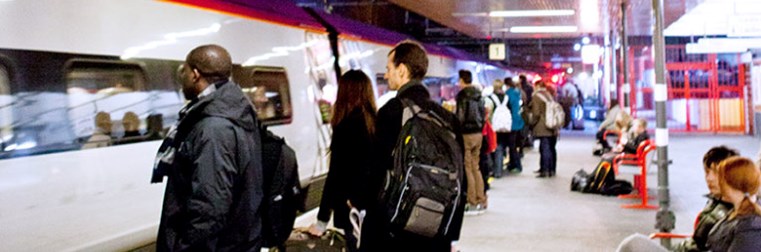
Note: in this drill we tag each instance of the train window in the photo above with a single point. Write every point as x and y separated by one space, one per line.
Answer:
106 101
268 89
103 77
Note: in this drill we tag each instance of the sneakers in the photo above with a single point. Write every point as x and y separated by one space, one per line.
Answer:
471 210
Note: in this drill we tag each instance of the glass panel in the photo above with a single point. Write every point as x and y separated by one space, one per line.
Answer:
268 89
106 99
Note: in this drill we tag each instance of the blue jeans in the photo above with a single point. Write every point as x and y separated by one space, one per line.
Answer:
548 153
499 154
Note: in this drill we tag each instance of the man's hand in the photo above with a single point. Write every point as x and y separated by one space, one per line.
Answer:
317 229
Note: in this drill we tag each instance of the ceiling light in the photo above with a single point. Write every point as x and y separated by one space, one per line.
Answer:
532 13
543 29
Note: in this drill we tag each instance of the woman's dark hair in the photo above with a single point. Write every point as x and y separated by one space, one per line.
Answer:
413 56
355 91
715 155
510 83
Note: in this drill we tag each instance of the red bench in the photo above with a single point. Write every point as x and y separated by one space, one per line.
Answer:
637 164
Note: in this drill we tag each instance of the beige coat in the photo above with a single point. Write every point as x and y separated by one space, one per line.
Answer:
538 112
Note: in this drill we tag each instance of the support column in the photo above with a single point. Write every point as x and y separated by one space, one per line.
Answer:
613 72
625 88
665 217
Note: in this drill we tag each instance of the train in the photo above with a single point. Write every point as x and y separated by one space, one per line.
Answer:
73 70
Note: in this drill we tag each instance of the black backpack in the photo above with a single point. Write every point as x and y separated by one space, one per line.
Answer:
603 175
471 113
617 187
579 181
281 189
423 189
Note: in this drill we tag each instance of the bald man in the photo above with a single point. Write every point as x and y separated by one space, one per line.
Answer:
212 159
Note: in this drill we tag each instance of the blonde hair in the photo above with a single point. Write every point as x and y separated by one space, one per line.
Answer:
130 121
740 173
623 120
498 85
103 121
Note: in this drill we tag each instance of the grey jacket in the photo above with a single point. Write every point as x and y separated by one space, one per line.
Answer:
214 187
743 233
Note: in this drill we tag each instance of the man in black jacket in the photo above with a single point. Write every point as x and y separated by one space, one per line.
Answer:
407 65
472 115
212 159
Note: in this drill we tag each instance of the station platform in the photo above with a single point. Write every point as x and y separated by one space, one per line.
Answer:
541 214
531 214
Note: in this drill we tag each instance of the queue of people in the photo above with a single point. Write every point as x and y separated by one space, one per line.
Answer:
214 195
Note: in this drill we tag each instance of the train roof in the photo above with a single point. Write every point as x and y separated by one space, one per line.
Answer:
280 12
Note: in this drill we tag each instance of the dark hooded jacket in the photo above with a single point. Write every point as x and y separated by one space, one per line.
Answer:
470 110
214 186
375 230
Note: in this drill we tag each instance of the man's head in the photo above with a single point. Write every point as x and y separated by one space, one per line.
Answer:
204 65
510 83
407 61
466 77
523 80
711 160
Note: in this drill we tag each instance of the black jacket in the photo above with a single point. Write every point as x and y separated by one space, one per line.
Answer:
471 119
375 235
632 145
715 210
214 186
351 153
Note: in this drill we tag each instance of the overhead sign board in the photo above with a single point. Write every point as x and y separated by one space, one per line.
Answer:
497 51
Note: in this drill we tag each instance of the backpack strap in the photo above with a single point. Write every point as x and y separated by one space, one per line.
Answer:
496 101
409 109
542 97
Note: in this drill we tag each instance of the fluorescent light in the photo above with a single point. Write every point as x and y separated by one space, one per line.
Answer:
532 13
543 29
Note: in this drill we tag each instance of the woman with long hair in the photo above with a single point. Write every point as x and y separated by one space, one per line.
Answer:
351 153
740 230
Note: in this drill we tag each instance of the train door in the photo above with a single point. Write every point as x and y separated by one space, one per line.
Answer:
6 112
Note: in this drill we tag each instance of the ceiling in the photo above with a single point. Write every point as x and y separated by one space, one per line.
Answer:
591 16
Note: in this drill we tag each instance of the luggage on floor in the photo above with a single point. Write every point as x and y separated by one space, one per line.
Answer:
300 240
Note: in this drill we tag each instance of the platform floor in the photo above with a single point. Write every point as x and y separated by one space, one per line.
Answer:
531 214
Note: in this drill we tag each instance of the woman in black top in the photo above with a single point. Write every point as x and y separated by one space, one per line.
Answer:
350 154
740 230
